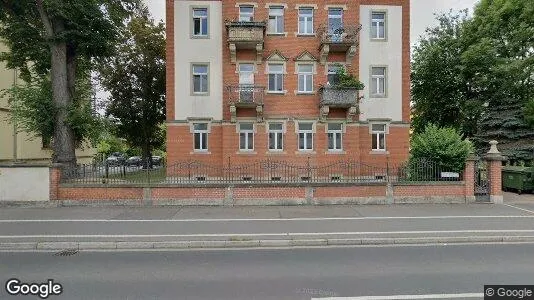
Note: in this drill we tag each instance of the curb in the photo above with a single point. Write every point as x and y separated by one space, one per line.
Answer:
259 243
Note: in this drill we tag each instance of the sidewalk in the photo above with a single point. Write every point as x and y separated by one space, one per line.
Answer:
89 228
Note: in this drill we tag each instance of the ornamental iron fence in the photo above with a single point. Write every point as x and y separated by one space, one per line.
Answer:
258 172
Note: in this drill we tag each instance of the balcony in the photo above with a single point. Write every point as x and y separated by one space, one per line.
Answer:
344 39
246 35
246 96
346 98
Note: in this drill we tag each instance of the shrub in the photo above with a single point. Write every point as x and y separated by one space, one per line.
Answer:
347 80
443 146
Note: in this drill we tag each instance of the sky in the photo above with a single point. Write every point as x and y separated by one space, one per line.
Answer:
422 12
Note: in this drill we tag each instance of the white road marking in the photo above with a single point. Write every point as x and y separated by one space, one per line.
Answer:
401 297
287 234
269 219
523 209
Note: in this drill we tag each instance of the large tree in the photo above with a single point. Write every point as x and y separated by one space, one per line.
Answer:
500 59
135 78
441 91
52 38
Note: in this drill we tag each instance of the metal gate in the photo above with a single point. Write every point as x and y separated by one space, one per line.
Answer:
482 183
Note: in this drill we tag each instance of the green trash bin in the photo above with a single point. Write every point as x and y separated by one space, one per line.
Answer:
519 179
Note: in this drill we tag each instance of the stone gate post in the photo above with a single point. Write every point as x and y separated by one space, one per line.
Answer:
494 159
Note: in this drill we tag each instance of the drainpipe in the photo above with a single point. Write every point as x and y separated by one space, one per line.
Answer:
15 134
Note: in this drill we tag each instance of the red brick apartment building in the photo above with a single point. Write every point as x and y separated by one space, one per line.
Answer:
252 80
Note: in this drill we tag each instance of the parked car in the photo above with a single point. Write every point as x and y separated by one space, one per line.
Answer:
134 161
157 160
116 159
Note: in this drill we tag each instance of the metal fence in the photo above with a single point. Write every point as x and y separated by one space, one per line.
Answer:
258 172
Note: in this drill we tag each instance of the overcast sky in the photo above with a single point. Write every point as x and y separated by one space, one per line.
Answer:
422 12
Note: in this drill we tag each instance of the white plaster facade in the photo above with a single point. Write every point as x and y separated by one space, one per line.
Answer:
36 185
189 50
384 53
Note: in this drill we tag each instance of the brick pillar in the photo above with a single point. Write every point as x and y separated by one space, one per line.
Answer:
469 178
55 178
495 159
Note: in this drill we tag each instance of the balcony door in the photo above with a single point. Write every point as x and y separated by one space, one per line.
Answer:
246 82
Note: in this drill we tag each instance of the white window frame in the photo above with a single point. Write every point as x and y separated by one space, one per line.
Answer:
276 74
306 134
308 76
201 75
307 18
202 134
201 19
276 16
276 133
375 23
249 133
375 79
376 134
335 134
246 17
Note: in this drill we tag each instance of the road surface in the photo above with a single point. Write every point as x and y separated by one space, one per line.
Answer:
268 274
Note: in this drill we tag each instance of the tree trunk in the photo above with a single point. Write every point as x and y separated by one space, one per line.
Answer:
63 142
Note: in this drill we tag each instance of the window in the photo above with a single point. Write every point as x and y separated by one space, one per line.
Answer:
378 81
333 77
200 133
276 19
305 74
378 137
200 22
335 132
305 136
276 136
200 79
335 20
306 21
276 77
378 25
246 13
246 136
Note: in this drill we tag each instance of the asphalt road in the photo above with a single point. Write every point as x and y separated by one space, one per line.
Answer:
275 273
169 224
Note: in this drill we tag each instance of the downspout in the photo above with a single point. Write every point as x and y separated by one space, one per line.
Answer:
15 134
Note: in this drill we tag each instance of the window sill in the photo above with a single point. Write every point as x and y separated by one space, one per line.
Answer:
305 34
200 152
200 94
304 93
246 152
379 152
377 96
335 152
200 37
276 92
284 34
305 152
275 152
379 40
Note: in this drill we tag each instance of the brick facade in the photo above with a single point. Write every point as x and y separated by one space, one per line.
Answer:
223 138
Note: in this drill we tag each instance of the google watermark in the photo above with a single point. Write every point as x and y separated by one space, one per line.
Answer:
523 292
43 290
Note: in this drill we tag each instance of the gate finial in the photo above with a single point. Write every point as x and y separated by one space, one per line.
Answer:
493 149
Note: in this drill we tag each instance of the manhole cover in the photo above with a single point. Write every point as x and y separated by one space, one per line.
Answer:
67 252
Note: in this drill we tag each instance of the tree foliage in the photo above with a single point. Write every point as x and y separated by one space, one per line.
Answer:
477 75
32 105
135 77
500 58
443 146
53 38
441 91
